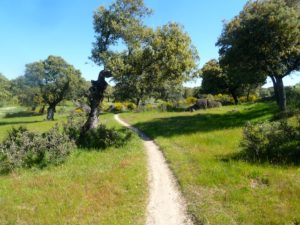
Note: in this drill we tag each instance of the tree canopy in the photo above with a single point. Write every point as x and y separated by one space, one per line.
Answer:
56 79
263 40
121 21
5 93
152 59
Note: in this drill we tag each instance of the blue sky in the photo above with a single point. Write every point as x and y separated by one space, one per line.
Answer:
33 29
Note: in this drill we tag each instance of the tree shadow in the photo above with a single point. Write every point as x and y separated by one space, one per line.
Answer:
291 157
2 123
203 122
22 114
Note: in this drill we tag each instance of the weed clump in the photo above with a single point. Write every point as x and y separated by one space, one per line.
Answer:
275 142
26 149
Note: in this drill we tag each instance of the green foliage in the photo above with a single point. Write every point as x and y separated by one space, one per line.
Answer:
130 106
217 79
97 138
122 20
109 93
153 63
189 92
250 98
275 142
5 94
166 106
220 190
23 148
103 137
190 100
213 78
90 187
119 107
263 40
73 126
224 99
56 79
293 97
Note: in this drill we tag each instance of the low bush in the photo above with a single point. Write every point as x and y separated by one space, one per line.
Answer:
97 138
119 107
130 106
73 126
275 142
190 100
293 98
250 98
105 106
103 137
23 148
224 99
166 106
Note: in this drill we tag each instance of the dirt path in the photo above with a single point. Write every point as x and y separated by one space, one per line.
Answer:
165 205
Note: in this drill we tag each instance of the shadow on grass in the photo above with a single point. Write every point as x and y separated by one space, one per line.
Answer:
22 114
291 157
18 122
181 125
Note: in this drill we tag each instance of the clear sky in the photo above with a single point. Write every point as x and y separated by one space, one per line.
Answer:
30 30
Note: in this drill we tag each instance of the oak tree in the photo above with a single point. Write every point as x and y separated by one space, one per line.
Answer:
263 40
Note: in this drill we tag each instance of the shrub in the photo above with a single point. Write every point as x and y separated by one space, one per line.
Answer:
150 107
26 149
102 137
224 99
167 106
191 100
275 142
293 97
119 107
251 98
57 146
213 104
130 106
105 106
98 138
73 126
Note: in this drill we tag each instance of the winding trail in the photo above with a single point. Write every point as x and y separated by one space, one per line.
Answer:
166 205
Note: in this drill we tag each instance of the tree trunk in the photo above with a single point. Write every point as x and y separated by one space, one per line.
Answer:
235 97
42 110
50 112
275 87
92 121
138 102
281 94
95 97
248 94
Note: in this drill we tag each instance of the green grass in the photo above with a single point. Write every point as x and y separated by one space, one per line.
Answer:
219 189
91 187
18 116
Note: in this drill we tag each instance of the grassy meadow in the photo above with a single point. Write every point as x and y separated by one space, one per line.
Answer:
91 187
201 149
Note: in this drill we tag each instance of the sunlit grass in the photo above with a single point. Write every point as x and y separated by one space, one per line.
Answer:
91 187
219 189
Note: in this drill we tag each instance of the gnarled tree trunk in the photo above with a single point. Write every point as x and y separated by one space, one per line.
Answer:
50 112
95 97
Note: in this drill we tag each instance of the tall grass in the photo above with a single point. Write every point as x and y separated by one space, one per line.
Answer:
91 187
219 189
